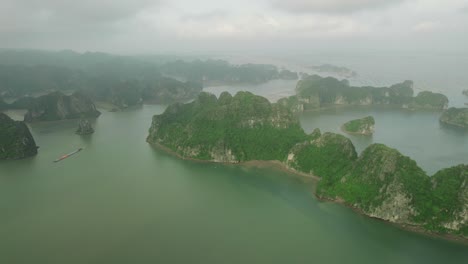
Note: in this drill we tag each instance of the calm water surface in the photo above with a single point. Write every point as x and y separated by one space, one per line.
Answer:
121 201
417 134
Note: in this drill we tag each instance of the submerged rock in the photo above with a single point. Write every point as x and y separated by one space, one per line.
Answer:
16 141
363 126
84 127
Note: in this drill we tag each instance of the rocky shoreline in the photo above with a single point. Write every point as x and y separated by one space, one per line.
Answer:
315 179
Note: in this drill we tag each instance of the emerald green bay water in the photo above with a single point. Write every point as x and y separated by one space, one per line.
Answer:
122 201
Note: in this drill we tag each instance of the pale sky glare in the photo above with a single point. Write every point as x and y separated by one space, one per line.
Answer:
145 26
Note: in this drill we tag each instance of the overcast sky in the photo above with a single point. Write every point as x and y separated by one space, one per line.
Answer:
145 26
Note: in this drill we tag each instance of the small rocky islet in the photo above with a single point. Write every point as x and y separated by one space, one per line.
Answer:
84 127
363 126
380 182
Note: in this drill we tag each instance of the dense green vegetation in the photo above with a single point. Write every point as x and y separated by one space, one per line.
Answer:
245 125
315 91
324 155
457 117
378 167
330 90
426 99
381 182
16 142
364 126
450 197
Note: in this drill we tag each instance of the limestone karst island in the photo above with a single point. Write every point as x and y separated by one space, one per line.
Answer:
233 132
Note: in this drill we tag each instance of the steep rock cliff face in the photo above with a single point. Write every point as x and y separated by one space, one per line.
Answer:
16 142
229 129
363 126
457 117
57 106
384 184
450 202
84 127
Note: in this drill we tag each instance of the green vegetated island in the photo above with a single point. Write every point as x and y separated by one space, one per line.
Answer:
381 182
118 82
58 106
457 117
333 69
64 85
362 126
315 92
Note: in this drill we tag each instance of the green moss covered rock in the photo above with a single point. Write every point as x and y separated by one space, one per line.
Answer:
381 182
315 91
450 200
57 106
16 142
430 100
322 155
457 117
229 129
362 126
384 184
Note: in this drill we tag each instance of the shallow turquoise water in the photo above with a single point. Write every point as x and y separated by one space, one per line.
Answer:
122 201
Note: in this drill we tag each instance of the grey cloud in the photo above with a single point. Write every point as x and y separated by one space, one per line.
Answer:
330 6
57 24
59 13
203 16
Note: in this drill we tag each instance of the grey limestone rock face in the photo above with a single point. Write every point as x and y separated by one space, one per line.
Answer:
16 141
84 127
58 106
